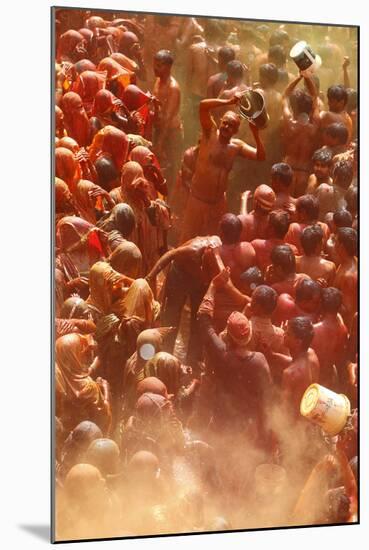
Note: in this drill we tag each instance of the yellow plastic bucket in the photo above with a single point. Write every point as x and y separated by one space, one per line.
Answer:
326 408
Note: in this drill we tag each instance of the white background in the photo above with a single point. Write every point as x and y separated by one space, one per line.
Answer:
25 271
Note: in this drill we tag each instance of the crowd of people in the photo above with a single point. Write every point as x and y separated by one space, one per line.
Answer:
205 275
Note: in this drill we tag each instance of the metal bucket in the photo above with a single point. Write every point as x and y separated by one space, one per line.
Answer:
304 57
327 409
252 107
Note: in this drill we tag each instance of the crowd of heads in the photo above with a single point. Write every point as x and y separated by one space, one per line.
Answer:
180 366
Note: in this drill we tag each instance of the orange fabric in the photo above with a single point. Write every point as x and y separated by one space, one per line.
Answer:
67 167
75 118
87 85
110 141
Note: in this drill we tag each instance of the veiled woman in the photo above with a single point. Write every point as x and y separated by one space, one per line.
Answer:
110 142
87 85
85 398
79 245
76 121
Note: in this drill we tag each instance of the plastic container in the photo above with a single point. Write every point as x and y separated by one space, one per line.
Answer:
304 57
327 409
252 107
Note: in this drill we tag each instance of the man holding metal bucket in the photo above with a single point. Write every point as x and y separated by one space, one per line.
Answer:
217 151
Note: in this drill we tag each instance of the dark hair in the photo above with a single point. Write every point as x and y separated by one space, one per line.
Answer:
301 102
311 237
252 277
343 172
338 93
230 228
278 36
283 172
283 257
351 198
348 238
266 298
226 54
337 131
331 300
277 55
323 155
268 73
164 56
279 220
342 218
106 172
235 69
307 289
303 330
310 205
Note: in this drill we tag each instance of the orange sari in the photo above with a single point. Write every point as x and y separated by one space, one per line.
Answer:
67 167
87 85
75 118
83 395
112 142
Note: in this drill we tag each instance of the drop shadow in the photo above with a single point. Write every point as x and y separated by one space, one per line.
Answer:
40 531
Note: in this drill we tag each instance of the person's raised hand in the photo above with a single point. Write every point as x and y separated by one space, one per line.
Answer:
346 62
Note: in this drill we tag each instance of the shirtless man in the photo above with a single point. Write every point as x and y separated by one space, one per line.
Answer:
263 303
322 164
235 83
168 137
341 218
217 152
281 178
201 64
337 100
300 129
278 224
268 77
281 274
186 278
335 137
217 81
312 262
330 339
237 257
346 276
255 224
307 212
332 197
306 303
277 56
302 368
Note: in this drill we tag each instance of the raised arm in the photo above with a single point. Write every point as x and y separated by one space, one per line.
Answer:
207 105
346 78
286 111
315 114
249 152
